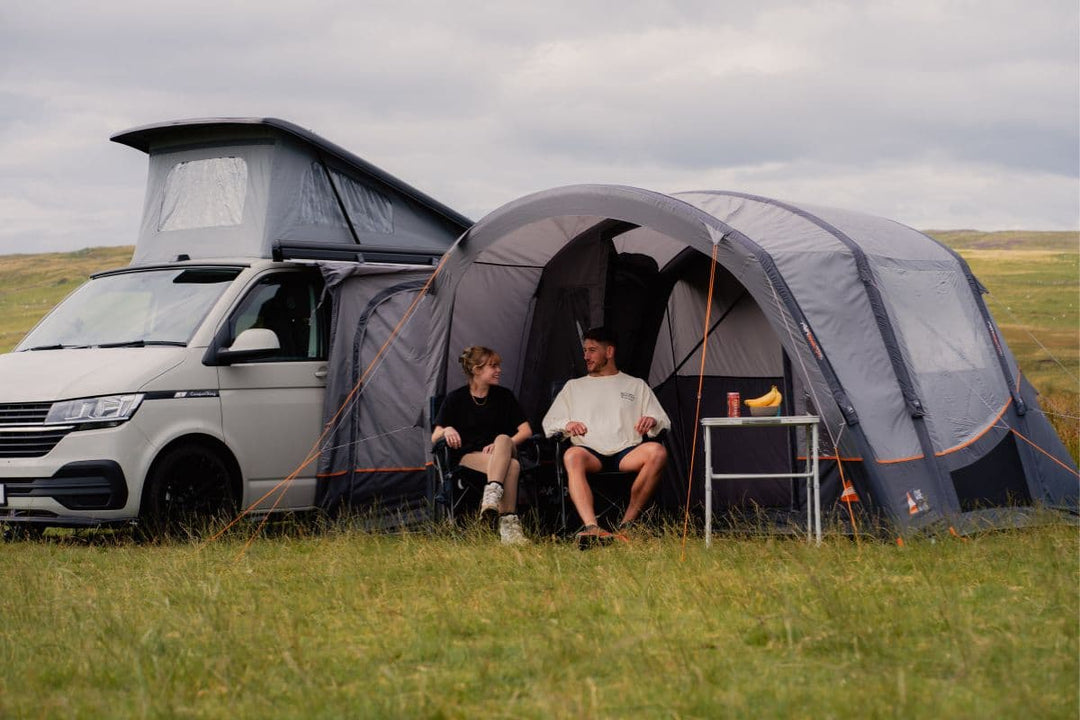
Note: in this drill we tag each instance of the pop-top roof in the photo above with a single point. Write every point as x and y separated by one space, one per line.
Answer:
250 187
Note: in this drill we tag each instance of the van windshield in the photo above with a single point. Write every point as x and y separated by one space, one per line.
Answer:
132 309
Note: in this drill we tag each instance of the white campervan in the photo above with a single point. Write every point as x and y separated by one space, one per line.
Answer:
192 380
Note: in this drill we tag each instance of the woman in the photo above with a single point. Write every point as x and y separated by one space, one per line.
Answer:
483 424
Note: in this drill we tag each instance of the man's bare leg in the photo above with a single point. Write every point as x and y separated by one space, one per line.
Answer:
579 462
648 460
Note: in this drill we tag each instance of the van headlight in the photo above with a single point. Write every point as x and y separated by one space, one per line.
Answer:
105 411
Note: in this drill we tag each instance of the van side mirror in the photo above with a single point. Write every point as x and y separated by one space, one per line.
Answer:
252 344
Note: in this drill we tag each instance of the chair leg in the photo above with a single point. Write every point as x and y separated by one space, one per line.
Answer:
563 496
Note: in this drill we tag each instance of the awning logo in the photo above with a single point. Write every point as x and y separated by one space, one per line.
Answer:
916 502
849 495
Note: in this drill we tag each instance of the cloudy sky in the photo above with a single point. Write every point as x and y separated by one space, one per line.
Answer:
937 113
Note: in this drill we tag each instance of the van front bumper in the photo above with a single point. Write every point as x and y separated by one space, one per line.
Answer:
91 477
82 485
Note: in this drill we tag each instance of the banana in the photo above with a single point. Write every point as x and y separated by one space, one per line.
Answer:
758 401
769 399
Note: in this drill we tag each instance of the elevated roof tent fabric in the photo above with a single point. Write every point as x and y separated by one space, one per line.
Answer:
263 187
877 328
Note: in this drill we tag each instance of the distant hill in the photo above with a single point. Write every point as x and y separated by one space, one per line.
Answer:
1068 241
30 285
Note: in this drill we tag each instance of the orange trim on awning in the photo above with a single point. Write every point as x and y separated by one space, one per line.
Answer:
990 426
900 460
993 423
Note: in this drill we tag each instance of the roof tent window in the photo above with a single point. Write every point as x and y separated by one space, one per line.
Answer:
204 194
369 210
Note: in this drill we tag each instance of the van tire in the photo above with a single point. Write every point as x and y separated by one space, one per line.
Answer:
187 489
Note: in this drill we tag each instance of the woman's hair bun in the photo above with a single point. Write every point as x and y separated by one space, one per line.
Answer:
475 356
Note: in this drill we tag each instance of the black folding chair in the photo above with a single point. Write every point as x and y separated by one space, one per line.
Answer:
458 489
610 489
450 483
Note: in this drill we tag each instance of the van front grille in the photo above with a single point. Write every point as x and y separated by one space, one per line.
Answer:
30 443
23 413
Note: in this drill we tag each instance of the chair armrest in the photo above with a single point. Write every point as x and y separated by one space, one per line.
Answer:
559 437
440 452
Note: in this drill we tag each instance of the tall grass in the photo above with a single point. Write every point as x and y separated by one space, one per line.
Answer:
346 624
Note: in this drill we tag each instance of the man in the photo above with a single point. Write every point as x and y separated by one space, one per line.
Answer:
606 413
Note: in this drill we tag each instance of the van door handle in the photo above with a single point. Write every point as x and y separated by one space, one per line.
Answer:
321 373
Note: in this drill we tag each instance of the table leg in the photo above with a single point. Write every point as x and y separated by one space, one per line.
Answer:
809 490
817 482
708 488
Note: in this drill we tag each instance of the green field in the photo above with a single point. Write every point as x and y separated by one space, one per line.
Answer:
346 624
342 623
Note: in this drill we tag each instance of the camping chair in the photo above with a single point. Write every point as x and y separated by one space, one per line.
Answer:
457 489
610 489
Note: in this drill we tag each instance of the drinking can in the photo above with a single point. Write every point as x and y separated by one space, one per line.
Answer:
733 404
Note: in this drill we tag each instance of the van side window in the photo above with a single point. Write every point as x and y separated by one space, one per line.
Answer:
287 303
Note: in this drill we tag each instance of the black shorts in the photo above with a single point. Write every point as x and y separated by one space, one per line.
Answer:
610 463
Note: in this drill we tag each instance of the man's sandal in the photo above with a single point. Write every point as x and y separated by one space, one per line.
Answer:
593 535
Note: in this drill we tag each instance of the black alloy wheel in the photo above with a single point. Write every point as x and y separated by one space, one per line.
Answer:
188 488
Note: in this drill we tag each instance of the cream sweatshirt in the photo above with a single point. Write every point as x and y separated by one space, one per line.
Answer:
610 406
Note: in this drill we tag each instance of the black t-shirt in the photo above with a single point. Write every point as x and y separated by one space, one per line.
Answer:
478 424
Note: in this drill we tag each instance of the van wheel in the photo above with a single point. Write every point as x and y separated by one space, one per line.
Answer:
188 488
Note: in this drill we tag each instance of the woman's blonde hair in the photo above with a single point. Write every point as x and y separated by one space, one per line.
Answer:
477 356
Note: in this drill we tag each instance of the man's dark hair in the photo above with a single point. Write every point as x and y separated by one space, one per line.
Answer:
600 334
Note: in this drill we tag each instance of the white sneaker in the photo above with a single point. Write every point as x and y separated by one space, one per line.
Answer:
489 505
510 531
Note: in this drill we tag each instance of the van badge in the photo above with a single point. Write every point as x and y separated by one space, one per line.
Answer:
195 394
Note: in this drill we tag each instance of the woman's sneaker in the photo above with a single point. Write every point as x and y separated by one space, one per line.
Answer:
489 504
510 531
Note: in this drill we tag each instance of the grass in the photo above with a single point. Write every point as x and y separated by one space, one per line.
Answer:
347 624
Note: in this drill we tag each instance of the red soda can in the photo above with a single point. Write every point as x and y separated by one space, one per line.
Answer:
733 404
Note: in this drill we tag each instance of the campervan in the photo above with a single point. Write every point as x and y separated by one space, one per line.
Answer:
193 380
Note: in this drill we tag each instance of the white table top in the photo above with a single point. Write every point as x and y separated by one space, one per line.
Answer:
767 420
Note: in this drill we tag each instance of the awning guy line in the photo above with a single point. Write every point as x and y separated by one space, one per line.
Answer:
697 408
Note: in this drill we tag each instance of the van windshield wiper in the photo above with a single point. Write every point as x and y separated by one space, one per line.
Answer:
55 347
141 343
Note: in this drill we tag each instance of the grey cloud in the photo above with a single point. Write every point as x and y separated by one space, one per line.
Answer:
478 104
